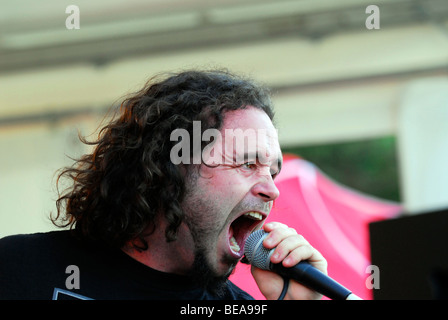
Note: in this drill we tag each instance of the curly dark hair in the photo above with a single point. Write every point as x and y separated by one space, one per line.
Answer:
116 191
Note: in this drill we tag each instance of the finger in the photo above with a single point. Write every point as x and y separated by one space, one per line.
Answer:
290 244
268 227
277 235
306 253
301 253
318 261
279 232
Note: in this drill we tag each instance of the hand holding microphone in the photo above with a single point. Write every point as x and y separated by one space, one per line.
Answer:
278 252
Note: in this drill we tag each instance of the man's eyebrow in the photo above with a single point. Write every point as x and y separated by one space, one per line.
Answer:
250 156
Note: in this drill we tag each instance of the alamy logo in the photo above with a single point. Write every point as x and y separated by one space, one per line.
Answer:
233 146
73 280
373 280
73 20
373 21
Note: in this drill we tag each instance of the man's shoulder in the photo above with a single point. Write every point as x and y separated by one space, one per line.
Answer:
29 247
31 263
22 241
34 236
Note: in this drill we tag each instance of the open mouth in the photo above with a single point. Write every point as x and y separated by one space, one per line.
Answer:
241 228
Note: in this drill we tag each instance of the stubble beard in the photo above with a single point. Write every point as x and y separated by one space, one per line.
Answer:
200 219
203 275
204 271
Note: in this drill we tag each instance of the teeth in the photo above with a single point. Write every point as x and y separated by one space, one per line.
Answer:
254 215
234 245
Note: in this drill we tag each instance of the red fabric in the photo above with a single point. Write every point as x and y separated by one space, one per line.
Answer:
332 217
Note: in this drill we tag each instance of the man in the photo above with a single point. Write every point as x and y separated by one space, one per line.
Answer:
145 225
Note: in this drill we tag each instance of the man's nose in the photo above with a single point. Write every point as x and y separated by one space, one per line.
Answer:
266 189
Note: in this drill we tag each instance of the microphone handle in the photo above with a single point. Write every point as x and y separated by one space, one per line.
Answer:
314 279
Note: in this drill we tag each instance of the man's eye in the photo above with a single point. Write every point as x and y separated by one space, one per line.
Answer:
249 165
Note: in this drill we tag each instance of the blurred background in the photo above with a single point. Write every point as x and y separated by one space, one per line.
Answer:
369 107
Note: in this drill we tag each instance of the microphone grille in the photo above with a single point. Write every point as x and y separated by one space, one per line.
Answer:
256 253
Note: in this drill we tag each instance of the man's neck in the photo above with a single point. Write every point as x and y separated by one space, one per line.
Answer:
172 257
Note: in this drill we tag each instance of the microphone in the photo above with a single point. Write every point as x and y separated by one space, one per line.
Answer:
303 272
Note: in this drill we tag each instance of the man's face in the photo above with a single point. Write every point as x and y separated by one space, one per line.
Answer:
226 202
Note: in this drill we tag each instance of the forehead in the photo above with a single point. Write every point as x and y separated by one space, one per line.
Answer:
250 117
250 131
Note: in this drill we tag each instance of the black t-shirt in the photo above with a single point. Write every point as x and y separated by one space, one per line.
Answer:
55 265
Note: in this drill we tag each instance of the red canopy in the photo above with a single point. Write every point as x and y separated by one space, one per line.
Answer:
332 217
